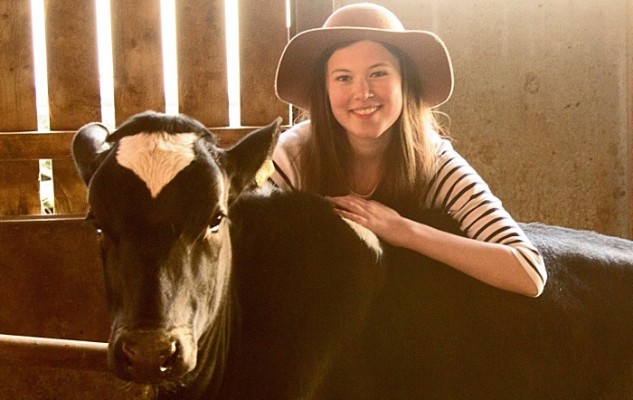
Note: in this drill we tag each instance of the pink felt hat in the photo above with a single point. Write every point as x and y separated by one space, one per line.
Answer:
364 21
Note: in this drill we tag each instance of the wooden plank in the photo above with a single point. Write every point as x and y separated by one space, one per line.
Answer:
33 146
20 192
45 383
202 75
57 145
22 151
70 190
263 35
137 57
17 81
19 170
52 283
53 353
52 286
73 73
229 136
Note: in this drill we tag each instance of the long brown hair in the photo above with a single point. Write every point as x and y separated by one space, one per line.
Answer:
411 156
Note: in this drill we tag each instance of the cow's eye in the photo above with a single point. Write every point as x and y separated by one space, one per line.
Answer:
214 224
95 224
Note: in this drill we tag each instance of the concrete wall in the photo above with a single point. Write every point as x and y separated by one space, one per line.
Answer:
541 106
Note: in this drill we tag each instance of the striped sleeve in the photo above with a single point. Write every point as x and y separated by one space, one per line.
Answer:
459 190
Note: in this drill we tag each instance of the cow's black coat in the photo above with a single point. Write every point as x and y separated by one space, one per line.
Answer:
432 332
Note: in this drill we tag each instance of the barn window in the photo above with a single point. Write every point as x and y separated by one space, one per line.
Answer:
47 199
233 61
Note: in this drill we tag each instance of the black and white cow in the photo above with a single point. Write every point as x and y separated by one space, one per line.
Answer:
219 292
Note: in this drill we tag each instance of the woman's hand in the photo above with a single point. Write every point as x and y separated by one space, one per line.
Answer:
385 222
492 263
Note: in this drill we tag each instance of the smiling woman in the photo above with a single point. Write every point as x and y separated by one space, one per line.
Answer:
373 147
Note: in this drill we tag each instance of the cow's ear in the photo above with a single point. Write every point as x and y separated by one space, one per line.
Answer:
89 143
249 155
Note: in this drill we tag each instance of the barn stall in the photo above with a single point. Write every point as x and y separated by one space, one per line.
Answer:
542 108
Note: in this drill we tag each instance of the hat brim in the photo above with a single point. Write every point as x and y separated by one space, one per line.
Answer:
426 51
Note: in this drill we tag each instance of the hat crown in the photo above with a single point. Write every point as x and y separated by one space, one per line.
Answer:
364 15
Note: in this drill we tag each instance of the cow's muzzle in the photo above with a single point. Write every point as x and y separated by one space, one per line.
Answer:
152 356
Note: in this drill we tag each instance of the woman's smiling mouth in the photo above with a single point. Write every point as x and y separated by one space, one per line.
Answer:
365 111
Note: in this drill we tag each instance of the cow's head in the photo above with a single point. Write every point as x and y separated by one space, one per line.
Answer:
159 189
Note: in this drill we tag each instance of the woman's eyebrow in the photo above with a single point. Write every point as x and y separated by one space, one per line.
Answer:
337 70
382 64
377 65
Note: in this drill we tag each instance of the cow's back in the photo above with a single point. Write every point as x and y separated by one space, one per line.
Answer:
439 334
321 320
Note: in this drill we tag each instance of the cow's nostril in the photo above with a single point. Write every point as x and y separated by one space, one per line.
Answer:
129 355
170 357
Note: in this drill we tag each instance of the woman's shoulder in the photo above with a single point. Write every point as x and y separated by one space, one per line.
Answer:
443 145
292 141
296 134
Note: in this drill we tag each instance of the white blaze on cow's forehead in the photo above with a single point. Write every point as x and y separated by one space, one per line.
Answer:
367 236
156 158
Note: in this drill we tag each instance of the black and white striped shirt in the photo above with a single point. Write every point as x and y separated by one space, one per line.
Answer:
459 190
456 188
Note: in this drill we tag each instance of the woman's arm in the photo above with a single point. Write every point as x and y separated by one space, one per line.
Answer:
493 263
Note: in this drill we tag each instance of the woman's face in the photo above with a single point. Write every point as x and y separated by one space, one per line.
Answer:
364 86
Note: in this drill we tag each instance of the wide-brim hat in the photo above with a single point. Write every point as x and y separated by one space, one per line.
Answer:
364 21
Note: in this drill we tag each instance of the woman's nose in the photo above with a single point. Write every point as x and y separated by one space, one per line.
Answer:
362 90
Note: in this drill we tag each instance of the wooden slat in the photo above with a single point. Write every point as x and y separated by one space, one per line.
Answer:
19 169
263 35
53 353
57 145
73 74
137 57
52 283
202 77
33 146
19 193
70 190
229 136
17 82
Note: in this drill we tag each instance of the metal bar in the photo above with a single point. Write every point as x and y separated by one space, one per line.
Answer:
54 353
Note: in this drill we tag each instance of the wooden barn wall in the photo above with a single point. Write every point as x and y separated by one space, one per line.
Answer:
542 102
73 79
52 286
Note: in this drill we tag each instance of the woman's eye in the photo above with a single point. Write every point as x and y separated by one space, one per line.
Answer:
379 74
342 78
